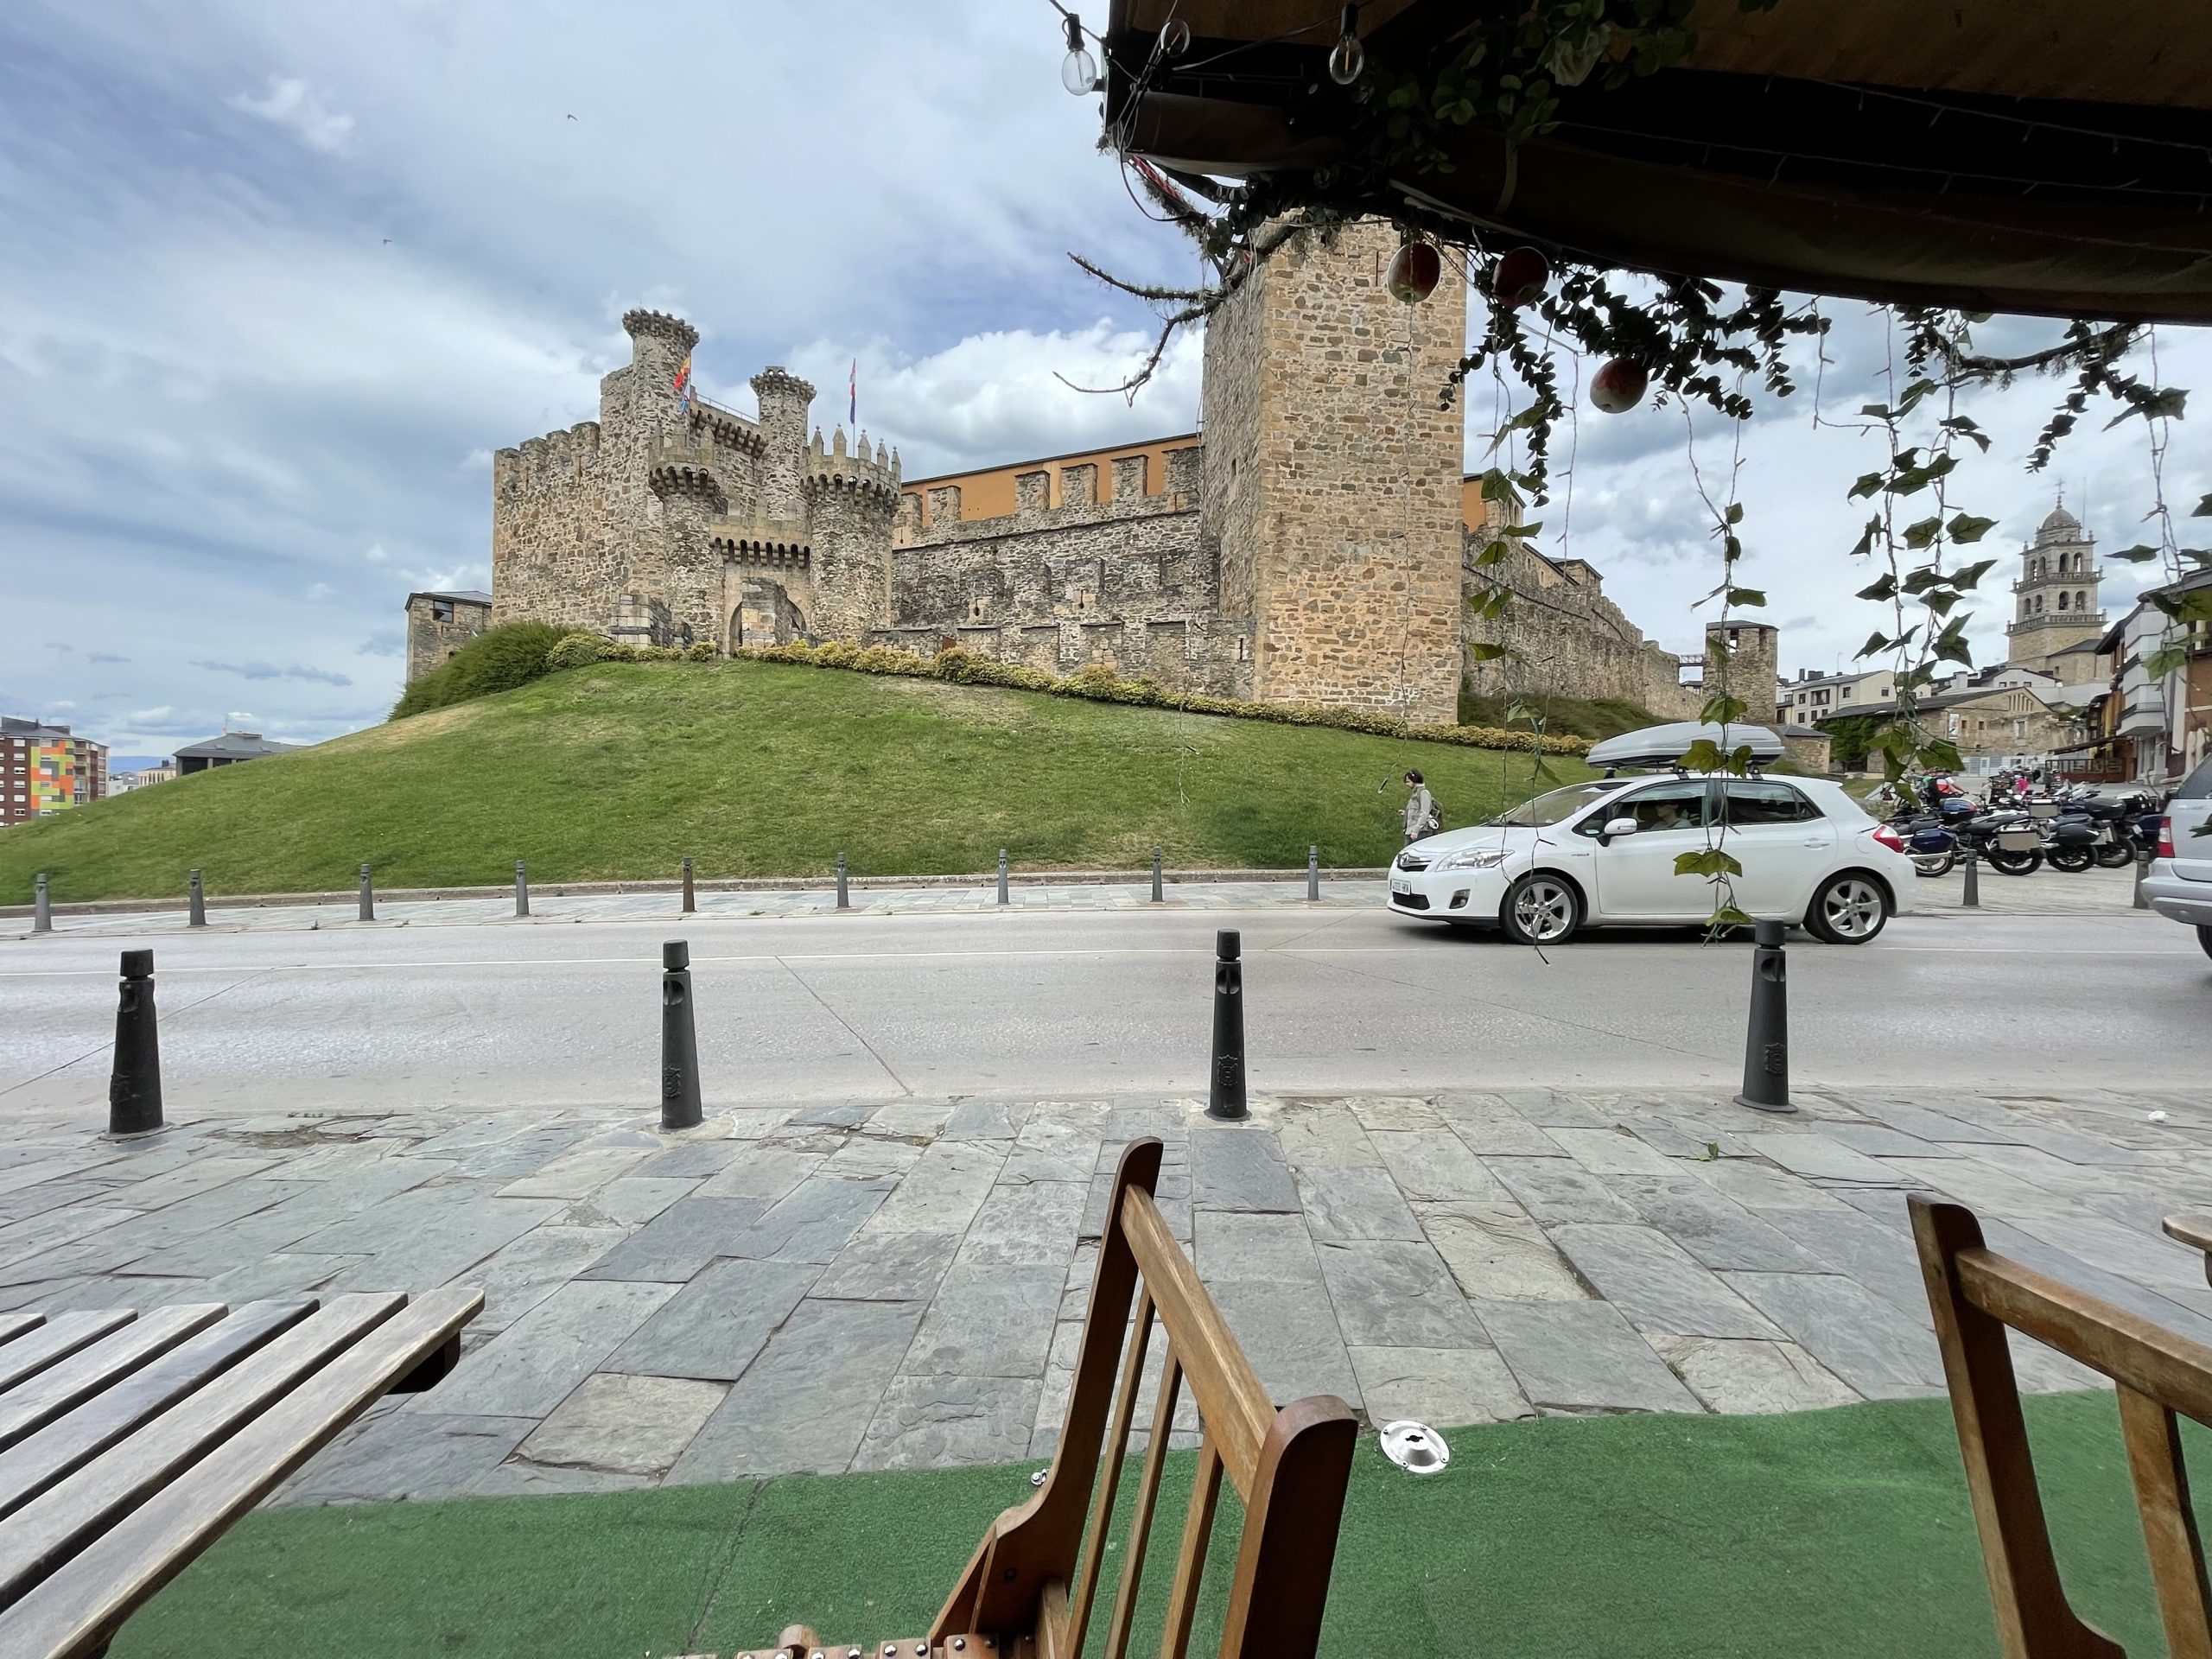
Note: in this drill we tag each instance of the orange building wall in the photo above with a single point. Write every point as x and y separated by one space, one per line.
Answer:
989 494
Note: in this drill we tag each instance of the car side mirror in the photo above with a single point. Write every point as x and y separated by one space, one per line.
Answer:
1616 826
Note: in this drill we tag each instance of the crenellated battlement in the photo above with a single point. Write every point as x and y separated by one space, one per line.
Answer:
561 454
727 428
661 325
687 479
876 476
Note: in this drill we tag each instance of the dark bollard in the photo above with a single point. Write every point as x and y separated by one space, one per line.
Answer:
1225 1096
690 898
1158 896
2142 869
1002 875
1971 898
368 897
843 901
42 912
1766 1046
198 902
1314 875
134 1087
522 889
679 1041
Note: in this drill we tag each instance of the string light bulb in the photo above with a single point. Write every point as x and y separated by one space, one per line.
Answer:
1078 70
1348 58
1174 38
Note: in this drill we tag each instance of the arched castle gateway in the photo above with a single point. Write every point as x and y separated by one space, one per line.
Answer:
1314 547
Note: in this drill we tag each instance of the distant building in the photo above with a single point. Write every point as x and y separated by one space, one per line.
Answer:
2056 623
123 783
227 751
438 625
47 769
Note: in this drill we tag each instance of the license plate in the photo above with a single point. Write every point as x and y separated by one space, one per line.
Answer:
1402 886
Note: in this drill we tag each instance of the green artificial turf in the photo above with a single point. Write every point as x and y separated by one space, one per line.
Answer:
1837 1533
758 769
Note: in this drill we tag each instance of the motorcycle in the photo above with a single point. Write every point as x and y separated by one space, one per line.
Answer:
2006 841
1932 848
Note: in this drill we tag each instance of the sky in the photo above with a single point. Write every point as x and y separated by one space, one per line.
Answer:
280 277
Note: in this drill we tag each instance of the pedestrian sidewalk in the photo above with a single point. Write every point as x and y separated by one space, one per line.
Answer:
2045 893
896 1284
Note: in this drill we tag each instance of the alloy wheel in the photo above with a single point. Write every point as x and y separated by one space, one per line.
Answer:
1853 908
1544 911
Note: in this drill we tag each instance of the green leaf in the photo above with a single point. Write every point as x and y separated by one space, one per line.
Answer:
2202 510
1735 512
2167 659
1866 536
1719 710
1496 486
1727 916
1492 553
2194 606
1868 484
1710 863
1876 641
1877 411
1885 588
2138 554
1479 652
1704 755
1970 576
1967 528
1746 596
1923 533
1940 754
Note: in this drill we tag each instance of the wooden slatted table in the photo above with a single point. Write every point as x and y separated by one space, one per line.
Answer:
129 1442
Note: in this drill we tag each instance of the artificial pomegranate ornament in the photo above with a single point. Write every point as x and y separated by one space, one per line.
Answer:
1619 387
1415 271
1521 276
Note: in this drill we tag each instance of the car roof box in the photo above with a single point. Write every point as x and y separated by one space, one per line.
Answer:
1659 747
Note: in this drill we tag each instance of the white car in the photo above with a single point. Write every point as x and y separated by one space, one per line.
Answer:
2178 884
1602 853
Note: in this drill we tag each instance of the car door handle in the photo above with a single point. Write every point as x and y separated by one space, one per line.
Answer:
1817 842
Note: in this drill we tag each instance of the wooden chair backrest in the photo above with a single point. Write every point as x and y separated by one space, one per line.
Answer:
1037 1572
1976 1295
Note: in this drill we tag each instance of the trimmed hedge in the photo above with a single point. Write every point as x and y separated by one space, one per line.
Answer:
498 659
582 649
1098 685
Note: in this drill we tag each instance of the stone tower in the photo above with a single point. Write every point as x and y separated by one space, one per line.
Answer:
850 501
1752 651
785 399
1332 479
2056 598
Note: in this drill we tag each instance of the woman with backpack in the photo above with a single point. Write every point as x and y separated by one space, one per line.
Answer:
1423 815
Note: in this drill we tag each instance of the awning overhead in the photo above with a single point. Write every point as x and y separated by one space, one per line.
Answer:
2029 156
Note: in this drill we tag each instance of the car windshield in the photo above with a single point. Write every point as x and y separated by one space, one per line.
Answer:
1559 805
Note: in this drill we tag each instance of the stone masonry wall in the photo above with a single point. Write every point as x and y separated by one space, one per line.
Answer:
1125 583
1354 543
429 641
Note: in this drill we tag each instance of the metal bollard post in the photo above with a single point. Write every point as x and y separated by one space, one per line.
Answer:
42 912
522 889
2142 869
1002 875
134 1086
1314 875
1226 1090
845 901
690 898
679 1041
198 902
1766 1044
1158 896
368 897
1971 898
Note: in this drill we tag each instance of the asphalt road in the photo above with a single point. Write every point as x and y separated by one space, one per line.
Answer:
1092 1004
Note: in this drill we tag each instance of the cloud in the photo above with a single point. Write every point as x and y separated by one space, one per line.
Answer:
376 555
270 672
147 716
62 645
239 716
384 642
319 591
61 706
478 459
104 656
299 108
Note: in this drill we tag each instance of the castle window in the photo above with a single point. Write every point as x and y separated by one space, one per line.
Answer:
976 611
442 610
2062 601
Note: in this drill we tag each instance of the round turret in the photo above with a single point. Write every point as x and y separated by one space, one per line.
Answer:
659 325
784 400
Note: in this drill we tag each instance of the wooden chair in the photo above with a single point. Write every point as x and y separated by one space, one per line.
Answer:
1029 1590
1977 1295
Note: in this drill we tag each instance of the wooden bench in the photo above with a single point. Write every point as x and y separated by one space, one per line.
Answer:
1029 1591
1977 1295
129 1442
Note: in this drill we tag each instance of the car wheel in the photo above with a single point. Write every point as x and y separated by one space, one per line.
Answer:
1541 909
2204 939
1846 909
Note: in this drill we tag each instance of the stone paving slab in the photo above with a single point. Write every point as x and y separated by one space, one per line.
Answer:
902 1285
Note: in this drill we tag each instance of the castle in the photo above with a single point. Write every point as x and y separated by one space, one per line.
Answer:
1314 545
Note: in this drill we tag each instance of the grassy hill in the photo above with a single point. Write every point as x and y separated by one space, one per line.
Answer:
759 770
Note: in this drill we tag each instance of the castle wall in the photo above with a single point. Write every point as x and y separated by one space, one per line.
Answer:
1126 582
429 641
1325 389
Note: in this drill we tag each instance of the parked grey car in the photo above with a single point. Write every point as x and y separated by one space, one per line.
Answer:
2178 884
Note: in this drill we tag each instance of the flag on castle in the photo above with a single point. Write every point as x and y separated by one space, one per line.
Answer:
853 386
683 383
